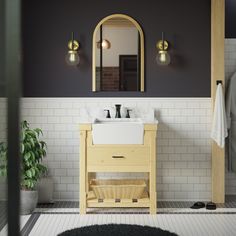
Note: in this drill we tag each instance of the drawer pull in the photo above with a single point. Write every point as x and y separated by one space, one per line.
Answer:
118 157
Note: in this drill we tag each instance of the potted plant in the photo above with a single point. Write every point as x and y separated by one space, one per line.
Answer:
32 151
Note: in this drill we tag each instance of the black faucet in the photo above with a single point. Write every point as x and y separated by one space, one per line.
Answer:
108 114
118 115
127 114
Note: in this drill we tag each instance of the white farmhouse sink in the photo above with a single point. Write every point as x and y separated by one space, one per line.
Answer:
118 131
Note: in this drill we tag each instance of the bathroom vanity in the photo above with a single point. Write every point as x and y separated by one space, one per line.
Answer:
117 158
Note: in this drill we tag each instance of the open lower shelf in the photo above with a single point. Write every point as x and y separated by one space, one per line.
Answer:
92 201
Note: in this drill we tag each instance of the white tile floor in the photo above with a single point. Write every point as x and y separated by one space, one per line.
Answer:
23 220
182 224
182 221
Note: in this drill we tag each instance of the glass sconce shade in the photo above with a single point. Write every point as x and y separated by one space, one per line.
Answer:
163 58
72 58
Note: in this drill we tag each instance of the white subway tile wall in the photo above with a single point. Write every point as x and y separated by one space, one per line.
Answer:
183 144
230 57
230 68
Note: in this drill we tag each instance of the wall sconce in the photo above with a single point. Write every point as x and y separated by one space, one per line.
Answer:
105 44
163 57
72 57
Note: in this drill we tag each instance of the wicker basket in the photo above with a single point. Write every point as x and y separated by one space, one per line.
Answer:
118 188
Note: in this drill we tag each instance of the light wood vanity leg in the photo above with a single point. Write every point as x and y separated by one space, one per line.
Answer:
83 173
152 176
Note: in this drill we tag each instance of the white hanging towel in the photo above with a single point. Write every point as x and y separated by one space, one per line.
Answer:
219 125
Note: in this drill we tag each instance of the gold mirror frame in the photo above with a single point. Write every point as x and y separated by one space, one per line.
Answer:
141 48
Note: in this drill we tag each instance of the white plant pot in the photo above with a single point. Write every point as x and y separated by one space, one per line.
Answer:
29 201
45 190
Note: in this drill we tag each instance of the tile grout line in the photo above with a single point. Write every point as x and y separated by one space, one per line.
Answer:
30 224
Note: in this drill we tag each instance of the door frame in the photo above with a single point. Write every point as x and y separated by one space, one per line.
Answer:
13 82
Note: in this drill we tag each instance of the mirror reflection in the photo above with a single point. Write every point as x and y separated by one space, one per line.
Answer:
117 55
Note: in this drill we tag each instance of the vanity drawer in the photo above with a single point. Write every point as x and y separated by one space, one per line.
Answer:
116 156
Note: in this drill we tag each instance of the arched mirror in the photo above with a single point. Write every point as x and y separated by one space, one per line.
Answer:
118 55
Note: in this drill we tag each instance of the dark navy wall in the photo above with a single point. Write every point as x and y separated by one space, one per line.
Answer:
2 54
47 25
230 19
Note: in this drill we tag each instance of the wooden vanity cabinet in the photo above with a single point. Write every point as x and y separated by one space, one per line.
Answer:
103 158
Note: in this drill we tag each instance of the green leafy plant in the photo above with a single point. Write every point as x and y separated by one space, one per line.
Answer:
32 152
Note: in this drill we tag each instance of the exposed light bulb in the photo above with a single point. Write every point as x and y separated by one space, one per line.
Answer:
105 44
